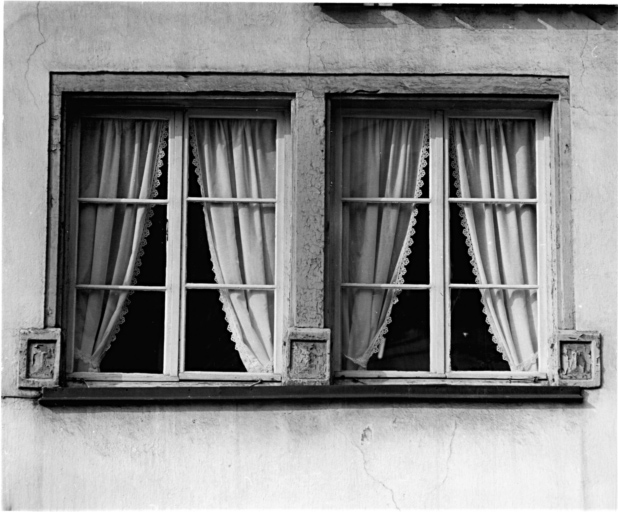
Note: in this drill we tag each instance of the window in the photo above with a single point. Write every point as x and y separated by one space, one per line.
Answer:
403 234
437 239
175 252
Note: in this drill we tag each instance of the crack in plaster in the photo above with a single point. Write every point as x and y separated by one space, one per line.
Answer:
318 51
374 478
577 107
38 20
448 459
308 49
581 58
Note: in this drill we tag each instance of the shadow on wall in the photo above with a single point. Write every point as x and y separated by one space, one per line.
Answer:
489 17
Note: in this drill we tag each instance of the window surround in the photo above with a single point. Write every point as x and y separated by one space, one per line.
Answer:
310 109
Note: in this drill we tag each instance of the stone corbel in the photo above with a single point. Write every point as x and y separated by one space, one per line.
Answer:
575 359
39 358
307 354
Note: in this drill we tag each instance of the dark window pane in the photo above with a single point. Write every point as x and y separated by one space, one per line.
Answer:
407 340
208 343
153 261
139 343
461 267
199 263
417 270
472 347
194 186
243 222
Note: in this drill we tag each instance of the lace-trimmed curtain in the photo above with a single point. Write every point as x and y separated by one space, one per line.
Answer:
495 158
381 158
118 159
236 158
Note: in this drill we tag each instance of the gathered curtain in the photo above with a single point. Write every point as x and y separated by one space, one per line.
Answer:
118 159
495 158
382 158
236 158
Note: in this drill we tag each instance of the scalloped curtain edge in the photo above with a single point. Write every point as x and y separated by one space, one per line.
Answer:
400 270
500 344
250 361
95 360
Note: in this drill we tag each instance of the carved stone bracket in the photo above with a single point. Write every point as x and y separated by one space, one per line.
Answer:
307 353
576 359
39 358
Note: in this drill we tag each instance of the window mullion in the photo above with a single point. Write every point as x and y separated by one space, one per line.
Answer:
438 160
174 244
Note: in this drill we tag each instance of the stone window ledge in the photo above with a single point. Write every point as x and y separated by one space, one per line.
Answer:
368 393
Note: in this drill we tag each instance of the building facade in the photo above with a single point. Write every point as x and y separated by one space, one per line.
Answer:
289 452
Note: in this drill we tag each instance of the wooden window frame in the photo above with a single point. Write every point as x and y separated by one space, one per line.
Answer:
177 115
305 303
439 175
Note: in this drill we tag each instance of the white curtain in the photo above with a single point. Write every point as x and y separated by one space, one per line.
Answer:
495 158
236 158
118 159
381 158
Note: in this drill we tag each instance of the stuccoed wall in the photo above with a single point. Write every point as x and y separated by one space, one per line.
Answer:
309 455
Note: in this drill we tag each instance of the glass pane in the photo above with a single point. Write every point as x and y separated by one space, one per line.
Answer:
472 344
244 235
208 339
118 244
233 158
379 238
506 239
129 324
383 157
123 158
366 312
493 158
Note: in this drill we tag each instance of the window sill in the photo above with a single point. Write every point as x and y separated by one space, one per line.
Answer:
386 392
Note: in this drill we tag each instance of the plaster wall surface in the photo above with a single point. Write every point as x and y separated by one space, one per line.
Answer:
309 455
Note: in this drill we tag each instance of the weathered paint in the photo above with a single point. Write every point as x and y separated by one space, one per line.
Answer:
310 455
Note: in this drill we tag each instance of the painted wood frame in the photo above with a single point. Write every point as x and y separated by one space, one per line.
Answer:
281 117
73 201
439 202
175 286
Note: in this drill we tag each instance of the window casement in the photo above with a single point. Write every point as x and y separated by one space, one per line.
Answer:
438 240
294 231
175 248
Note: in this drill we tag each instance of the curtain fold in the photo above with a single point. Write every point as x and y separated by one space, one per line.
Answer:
118 159
236 158
495 158
381 158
